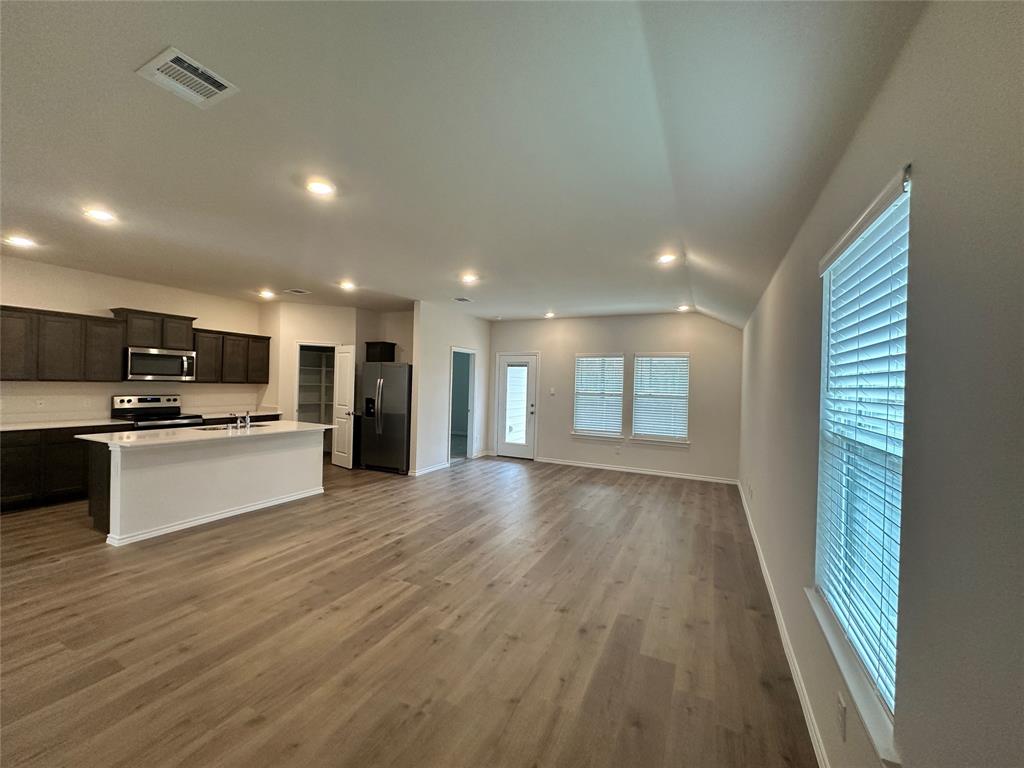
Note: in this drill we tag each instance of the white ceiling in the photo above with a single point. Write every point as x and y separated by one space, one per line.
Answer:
554 148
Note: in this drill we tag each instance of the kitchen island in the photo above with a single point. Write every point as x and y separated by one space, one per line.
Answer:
148 483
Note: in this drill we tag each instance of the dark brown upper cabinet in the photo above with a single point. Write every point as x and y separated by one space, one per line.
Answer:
19 349
39 345
61 348
259 361
143 330
235 360
104 349
178 332
150 329
209 349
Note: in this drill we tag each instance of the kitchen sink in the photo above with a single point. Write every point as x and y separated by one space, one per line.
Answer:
230 426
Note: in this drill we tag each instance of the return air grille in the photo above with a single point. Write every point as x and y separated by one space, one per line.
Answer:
184 77
297 291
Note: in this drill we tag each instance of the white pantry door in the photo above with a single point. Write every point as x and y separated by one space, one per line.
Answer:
344 404
517 405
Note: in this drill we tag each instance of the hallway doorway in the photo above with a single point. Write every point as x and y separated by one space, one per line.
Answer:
460 422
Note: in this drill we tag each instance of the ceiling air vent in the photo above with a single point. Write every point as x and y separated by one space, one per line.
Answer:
187 78
462 299
297 291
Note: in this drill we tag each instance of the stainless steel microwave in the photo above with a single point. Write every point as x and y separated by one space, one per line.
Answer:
150 364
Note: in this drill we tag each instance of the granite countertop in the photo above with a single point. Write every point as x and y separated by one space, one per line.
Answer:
152 438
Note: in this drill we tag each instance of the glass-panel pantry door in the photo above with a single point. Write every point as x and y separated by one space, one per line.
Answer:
517 405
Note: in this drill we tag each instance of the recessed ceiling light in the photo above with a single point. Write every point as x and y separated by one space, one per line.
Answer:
683 308
470 278
20 241
320 187
549 315
99 215
347 285
667 258
266 293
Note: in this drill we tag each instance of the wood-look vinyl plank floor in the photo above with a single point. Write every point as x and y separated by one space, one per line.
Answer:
498 613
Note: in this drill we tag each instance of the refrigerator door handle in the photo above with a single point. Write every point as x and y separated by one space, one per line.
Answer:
379 416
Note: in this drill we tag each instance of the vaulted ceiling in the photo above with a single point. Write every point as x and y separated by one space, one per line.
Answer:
553 148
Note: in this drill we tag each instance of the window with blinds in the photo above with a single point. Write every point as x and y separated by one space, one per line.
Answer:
864 333
597 403
661 397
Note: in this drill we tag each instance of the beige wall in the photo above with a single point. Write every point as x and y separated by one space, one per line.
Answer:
952 106
397 327
436 329
31 284
715 350
293 324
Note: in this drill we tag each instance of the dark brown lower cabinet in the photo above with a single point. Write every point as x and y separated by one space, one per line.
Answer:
20 476
44 466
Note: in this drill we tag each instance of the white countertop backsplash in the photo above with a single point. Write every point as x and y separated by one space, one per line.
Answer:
51 404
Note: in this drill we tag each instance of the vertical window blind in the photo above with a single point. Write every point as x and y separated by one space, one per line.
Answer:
861 436
661 397
597 404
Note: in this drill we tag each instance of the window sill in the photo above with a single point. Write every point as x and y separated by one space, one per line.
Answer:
872 711
596 435
659 440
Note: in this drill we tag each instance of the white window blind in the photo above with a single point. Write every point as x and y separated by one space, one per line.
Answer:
597 405
661 397
861 436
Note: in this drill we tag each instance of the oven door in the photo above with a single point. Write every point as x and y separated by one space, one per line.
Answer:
149 364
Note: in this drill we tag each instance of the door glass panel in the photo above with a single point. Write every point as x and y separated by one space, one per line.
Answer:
515 404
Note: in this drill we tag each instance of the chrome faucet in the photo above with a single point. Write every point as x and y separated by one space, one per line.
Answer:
248 420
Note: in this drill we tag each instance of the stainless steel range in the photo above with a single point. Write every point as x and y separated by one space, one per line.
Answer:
152 411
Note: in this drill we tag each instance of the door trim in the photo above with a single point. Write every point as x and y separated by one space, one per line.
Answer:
470 431
497 390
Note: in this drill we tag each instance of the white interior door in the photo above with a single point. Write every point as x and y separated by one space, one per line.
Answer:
517 405
344 404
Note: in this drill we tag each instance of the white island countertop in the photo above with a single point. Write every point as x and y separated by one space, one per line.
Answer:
152 438
237 412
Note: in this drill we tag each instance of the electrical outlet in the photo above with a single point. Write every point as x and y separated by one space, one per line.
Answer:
841 715
750 491
40 403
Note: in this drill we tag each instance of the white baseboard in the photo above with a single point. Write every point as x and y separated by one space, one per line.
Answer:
427 470
637 470
787 646
481 454
120 541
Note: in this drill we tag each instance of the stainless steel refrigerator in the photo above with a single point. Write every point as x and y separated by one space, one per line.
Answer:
384 429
